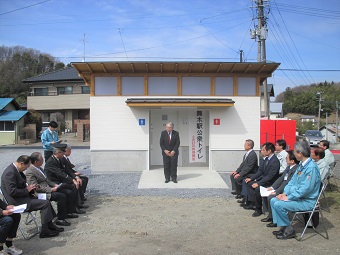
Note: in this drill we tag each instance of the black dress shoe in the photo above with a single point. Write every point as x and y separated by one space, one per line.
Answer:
250 207
72 216
167 181
175 181
238 196
53 227
83 206
48 233
241 201
233 192
257 213
271 225
279 231
285 235
62 223
79 211
267 219
84 199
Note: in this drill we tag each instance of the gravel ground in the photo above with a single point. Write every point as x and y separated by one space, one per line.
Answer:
124 220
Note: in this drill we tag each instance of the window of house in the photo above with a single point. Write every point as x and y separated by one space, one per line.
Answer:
162 86
192 86
246 86
132 86
224 86
105 86
85 89
65 90
41 91
6 126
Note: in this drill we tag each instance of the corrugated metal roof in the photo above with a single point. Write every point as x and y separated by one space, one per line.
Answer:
4 102
67 74
12 115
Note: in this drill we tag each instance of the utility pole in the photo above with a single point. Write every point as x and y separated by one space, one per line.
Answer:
337 122
84 41
260 34
319 114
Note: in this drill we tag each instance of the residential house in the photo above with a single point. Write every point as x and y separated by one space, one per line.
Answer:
329 132
61 91
11 121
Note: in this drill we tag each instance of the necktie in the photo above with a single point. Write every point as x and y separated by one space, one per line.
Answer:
169 139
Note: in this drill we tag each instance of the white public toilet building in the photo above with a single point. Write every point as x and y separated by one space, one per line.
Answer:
215 107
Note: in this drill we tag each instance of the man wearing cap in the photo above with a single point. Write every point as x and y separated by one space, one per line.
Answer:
55 173
48 138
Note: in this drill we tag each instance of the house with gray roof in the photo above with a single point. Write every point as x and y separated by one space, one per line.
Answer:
60 92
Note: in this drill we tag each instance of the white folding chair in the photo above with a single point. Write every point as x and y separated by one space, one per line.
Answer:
316 208
31 217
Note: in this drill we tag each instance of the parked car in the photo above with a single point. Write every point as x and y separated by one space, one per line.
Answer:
313 137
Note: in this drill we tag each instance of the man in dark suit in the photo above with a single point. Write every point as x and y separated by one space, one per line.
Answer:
279 185
17 192
9 223
69 168
247 168
36 175
169 143
54 170
265 176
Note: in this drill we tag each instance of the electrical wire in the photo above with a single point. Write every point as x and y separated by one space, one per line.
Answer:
24 7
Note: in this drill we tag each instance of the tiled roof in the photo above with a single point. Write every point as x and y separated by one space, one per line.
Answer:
12 115
67 74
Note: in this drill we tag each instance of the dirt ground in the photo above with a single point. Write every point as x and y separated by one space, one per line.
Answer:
158 225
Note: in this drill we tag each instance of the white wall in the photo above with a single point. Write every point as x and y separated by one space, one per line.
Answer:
114 125
238 123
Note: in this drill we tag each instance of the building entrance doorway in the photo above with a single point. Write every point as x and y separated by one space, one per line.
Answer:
185 122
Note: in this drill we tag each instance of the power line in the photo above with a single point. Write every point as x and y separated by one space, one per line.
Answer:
24 7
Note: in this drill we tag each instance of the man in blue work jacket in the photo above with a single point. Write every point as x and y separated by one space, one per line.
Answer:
300 194
48 138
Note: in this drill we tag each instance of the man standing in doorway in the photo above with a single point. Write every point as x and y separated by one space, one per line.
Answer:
169 143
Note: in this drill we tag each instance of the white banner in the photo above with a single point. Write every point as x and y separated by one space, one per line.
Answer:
197 150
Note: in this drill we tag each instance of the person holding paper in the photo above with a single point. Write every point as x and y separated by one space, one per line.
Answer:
48 138
300 194
36 176
9 223
279 185
16 191
265 176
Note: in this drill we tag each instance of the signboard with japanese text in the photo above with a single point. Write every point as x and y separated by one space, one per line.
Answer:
197 150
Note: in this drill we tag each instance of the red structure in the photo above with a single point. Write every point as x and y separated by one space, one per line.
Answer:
273 130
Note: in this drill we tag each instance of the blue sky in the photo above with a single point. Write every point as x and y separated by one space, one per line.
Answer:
302 35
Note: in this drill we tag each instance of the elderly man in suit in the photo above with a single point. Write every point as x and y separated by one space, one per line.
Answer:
17 192
265 176
169 143
247 168
54 170
279 185
36 176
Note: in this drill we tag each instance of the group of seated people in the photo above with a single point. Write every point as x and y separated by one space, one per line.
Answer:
291 180
26 182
